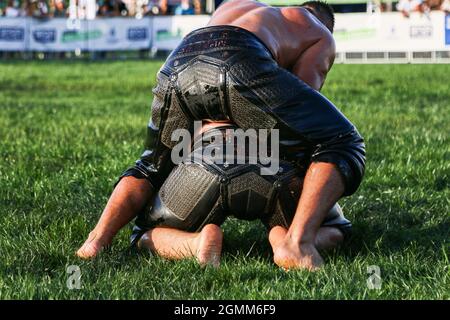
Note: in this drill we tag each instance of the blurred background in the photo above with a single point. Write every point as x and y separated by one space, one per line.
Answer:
76 81
366 31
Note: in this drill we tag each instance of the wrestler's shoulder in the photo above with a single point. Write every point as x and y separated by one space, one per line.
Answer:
303 19
306 25
240 3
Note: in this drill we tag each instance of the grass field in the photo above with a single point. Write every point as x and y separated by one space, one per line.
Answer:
69 129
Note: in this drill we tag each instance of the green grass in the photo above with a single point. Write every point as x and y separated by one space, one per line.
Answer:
68 130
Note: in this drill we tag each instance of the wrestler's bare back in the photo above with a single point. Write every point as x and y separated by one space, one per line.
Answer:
298 40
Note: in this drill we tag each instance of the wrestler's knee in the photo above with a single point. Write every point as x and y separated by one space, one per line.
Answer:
328 238
347 152
143 240
187 200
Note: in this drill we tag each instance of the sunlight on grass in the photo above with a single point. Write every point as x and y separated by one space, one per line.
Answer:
68 130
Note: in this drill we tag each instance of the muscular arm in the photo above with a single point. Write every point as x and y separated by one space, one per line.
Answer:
128 198
296 248
313 65
322 188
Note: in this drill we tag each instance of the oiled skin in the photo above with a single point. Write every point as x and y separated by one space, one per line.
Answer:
302 44
298 40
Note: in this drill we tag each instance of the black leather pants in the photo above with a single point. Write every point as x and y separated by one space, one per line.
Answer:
203 191
226 73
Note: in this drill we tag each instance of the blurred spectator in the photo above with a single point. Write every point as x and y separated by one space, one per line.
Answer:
168 6
217 3
12 9
106 8
153 7
408 6
121 8
87 9
43 10
112 8
445 6
198 7
25 7
185 7
172 7
58 9
433 4
37 8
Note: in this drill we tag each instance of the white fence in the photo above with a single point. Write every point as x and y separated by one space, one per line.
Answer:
106 34
360 37
169 31
26 34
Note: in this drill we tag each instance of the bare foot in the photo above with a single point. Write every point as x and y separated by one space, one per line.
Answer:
209 245
91 247
290 255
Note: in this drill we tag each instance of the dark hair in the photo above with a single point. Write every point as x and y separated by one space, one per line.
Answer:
323 8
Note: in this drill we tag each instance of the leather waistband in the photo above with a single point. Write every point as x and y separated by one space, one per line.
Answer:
221 37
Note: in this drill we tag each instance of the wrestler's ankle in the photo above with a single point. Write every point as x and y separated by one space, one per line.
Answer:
209 245
195 243
100 237
210 234
301 239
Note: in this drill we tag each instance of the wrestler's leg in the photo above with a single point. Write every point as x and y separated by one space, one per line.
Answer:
322 187
174 244
327 238
127 199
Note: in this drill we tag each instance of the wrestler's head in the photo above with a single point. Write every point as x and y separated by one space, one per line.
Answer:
323 11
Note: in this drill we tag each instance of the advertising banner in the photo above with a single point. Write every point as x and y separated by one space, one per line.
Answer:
13 34
56 35
119 34
91 35
354 32
169 31
447 29
362 32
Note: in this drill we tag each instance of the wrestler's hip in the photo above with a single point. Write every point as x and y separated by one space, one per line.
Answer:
196 194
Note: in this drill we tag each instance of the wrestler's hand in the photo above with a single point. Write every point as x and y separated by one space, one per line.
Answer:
289 254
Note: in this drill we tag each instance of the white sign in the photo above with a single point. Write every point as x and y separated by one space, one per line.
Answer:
363 32
354 32
90 35
13 34
119 34
169 31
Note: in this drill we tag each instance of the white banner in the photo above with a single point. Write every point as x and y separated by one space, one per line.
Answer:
362 32
51 35
354 32
13 34
447 30
119 34
169 31
91 35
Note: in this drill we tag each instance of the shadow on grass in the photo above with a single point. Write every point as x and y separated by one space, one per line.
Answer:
373 232
366 238
385 233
